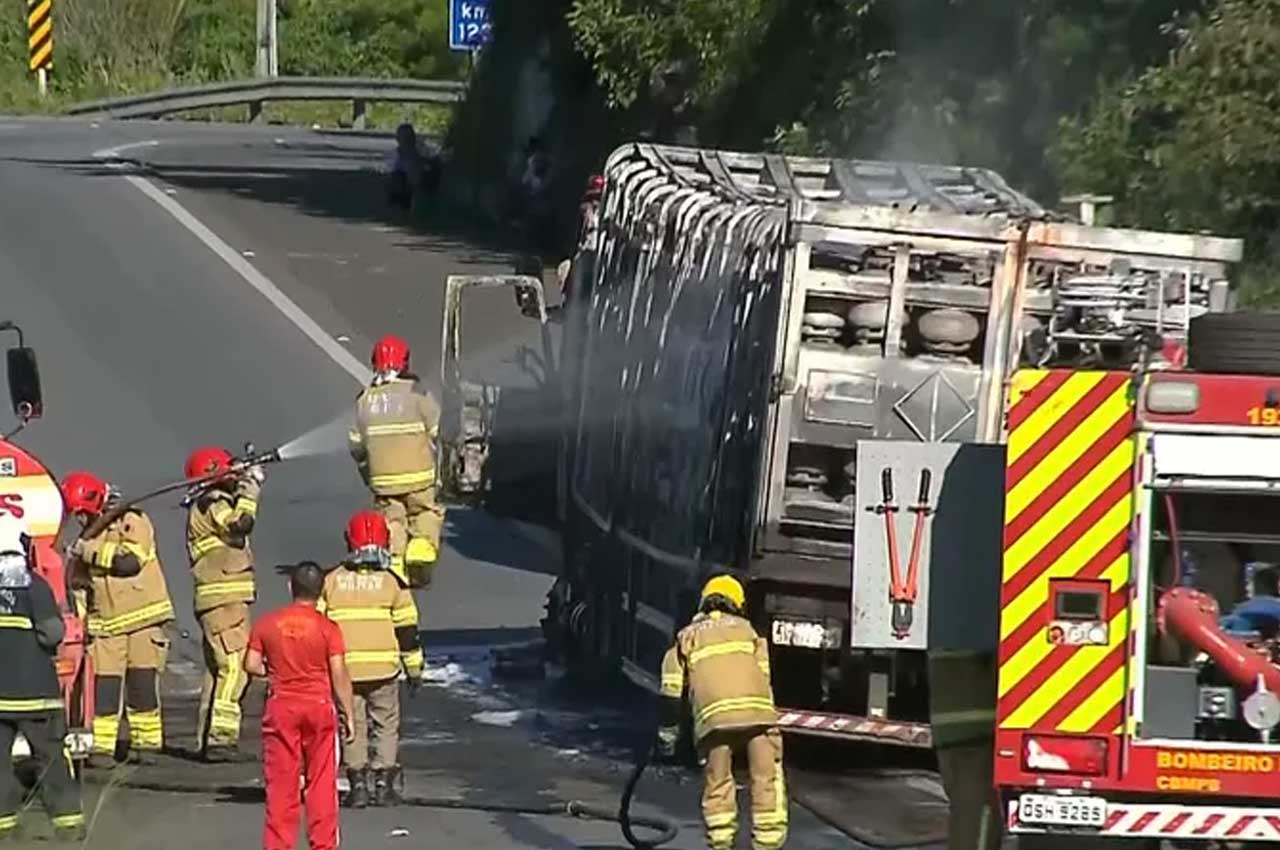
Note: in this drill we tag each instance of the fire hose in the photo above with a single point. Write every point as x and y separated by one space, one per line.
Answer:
250 459
1193 615
664 829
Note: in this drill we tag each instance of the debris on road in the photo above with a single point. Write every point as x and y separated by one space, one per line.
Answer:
499 718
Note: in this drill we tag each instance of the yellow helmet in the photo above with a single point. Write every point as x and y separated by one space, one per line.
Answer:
728 587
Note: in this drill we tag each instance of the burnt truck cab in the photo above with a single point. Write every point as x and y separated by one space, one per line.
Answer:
1139 693
29 491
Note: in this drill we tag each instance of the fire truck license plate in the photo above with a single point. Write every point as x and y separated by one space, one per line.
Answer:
1062 811
806 635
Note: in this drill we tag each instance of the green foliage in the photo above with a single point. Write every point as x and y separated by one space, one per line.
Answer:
113 45
380 38
1191 144
978 82
106 47
215 41
627 40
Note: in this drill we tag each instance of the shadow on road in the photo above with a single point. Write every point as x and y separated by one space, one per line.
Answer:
475 535
351 189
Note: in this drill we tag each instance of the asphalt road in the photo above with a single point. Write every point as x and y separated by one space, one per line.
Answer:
117 247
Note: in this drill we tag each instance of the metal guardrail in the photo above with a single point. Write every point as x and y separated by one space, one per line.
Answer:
254 93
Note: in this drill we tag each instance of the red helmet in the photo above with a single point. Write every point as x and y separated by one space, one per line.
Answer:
390 354
84 492
207 460
595 186
367 530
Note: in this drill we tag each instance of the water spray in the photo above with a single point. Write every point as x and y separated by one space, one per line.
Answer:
329 438
323 439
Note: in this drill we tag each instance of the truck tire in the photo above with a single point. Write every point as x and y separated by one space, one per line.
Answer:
1235 343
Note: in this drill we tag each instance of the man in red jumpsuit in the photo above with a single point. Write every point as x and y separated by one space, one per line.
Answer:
301 653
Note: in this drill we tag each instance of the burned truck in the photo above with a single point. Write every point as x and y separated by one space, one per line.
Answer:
796 369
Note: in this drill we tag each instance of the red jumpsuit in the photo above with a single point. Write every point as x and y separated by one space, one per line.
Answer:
299 726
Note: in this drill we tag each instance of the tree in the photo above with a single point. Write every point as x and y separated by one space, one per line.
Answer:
627 40
1191 144
972 82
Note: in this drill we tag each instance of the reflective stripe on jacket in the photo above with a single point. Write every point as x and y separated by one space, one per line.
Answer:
121 605
962 696
393 440
378 619
724 665
28 678
221 558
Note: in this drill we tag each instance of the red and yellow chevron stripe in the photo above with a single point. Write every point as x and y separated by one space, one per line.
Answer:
1068 507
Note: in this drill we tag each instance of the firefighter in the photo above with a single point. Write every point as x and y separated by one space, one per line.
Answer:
128 609
379 623
393 443
221 515
31 628
300 652
962 694
724 666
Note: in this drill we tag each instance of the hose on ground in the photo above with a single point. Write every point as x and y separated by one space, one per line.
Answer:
666 831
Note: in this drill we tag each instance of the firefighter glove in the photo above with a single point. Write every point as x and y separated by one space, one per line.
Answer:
256 473
667 736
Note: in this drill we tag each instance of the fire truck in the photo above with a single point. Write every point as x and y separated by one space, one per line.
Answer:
796 369
1139 692
29 491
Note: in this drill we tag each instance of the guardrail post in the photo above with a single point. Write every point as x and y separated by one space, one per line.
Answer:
255 111
358 117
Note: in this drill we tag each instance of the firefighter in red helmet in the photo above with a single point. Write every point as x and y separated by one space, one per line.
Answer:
128 608
393 442
221 512
379 623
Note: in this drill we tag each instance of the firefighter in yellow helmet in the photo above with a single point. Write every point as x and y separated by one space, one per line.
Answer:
128 609
393 443
220 516
379 623
723 665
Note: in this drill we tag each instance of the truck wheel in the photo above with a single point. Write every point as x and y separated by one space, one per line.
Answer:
1235 343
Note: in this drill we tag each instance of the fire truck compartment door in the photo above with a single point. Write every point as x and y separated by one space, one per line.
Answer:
958 588
496 361
1215 456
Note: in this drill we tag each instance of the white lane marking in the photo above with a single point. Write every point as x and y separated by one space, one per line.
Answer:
114 152
256 279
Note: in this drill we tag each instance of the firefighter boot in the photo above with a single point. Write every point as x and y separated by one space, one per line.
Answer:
72 831
419 561
358 796
385 792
